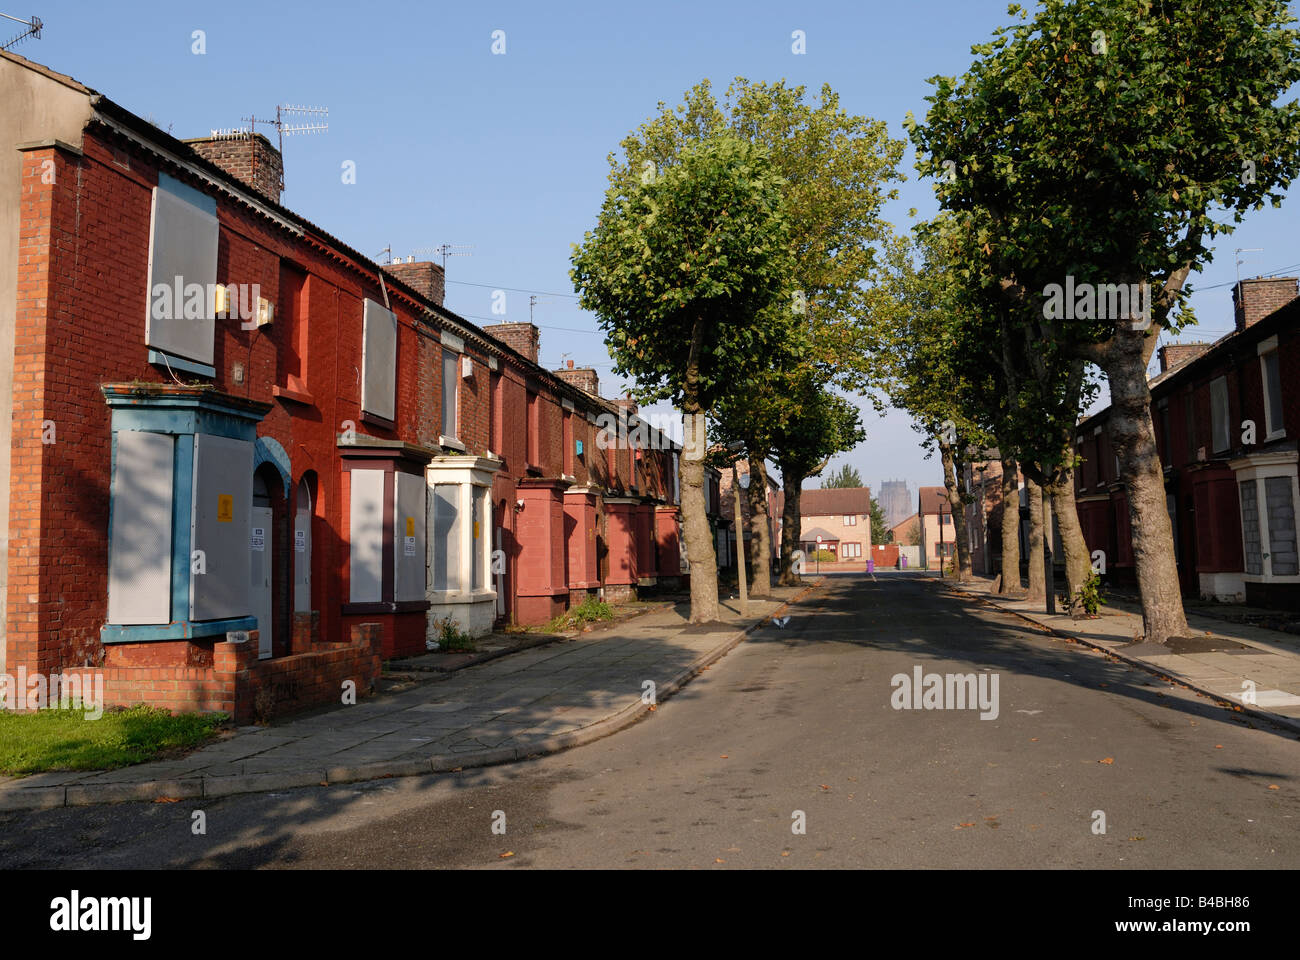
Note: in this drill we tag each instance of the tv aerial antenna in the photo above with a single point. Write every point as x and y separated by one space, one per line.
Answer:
533 300
283 128
33 26
446 250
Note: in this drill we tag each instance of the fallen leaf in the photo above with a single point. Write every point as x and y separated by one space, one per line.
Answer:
960 825
167 800
785 853
652 708
1274 786
824 787
1218 746
994 817
718 860
1107 760
508 853
722 756
1033 739
324 783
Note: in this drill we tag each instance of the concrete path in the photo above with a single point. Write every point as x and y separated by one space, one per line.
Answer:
534 702
1260 677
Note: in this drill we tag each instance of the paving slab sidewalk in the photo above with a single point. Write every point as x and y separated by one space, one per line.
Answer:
1261 678
539 700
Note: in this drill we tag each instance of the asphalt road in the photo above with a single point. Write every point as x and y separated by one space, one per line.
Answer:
796 719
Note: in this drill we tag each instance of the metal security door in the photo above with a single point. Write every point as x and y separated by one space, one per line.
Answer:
259 542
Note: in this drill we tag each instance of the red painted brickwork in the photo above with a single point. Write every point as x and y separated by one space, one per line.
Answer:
81 306
236 682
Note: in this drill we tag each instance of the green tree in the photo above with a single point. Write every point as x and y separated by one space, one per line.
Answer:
846 476
836 169
820 424
1110 141
679 270
880 532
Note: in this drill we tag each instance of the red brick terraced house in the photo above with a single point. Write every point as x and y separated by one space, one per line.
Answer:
1227 420
245 462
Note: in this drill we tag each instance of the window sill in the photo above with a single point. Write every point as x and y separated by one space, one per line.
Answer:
296 396
375 420
451 443
446 597
168 361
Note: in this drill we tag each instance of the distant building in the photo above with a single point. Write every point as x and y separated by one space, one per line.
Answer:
934 515
841 517
895 502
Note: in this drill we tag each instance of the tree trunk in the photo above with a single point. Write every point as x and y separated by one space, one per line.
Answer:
790 530
1078 562
1037 586
1132 436
695 523
951 464
1010 528
760 528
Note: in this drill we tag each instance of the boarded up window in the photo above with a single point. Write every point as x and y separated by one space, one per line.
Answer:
379 361
1250 526
221 519
409 554
366 555
446 537
182 271
1219 413
1281 526
480 539
449 394
1272 393
140 554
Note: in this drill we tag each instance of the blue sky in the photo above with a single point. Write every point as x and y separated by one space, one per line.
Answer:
507 153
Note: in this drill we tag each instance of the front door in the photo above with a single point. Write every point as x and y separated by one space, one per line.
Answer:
259 542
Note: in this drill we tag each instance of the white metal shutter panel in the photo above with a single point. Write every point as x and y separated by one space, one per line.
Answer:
221 522
366 556
140 551
410 558
182 243
379 361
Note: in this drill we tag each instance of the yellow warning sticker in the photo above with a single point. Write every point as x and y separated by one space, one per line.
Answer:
410 526
475 529
225 508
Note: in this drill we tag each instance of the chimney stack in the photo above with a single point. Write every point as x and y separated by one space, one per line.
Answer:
248 157
1176 354
424 277
1253 300
523 338
584 378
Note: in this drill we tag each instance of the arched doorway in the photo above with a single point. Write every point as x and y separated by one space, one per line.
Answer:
261 568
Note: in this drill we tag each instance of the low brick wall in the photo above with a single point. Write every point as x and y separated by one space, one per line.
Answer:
248 689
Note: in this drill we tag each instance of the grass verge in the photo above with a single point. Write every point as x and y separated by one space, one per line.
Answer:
66 740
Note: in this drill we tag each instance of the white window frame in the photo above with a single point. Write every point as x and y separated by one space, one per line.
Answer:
1272 431
466 474
850 520
451 439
